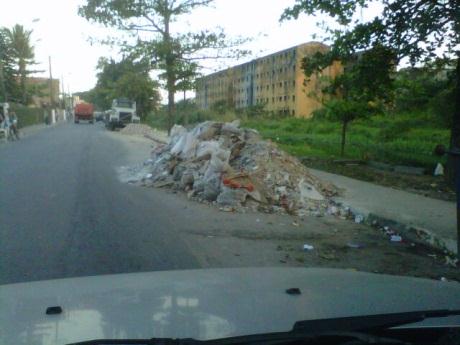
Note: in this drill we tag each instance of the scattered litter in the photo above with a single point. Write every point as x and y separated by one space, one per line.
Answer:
295 224
148 176
258 220
443 279
354 245
395 238
439 170
359 219
308 247
450 261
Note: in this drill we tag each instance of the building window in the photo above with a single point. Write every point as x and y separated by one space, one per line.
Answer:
293 98
268 87
293 83
273 99
281 99
281 84
273 86
281 70
285 98
285 84
293 112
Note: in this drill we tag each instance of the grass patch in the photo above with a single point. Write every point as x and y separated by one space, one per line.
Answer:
406 138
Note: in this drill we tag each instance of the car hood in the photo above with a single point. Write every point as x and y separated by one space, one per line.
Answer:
205 304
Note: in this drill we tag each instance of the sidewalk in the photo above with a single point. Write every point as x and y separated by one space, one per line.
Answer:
414 215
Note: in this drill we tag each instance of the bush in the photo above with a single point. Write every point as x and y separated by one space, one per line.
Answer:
27 116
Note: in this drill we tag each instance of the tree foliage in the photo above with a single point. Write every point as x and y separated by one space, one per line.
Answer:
124 79
150 22
419 30
8 86
22 52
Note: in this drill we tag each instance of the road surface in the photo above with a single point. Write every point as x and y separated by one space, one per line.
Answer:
64 213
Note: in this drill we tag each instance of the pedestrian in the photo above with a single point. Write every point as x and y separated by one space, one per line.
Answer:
14 125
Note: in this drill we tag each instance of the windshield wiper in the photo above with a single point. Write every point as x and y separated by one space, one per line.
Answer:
334 331
370 323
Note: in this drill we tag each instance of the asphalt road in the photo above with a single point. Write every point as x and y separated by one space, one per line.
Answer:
63 212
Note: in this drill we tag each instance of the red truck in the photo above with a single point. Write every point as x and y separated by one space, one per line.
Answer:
84 111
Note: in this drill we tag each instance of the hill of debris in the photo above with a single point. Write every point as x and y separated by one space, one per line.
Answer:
234 168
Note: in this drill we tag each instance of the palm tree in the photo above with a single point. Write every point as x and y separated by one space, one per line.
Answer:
23 53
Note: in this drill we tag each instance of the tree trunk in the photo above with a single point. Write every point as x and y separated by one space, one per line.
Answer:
170 108
344 134
170 81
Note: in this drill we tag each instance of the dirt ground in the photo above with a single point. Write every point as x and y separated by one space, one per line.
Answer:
429 186
255 239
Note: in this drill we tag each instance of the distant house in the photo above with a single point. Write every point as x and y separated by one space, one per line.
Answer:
41 90
275 80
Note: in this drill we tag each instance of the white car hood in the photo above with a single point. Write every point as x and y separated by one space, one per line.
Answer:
205 304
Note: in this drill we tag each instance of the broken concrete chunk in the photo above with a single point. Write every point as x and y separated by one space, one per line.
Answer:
231 197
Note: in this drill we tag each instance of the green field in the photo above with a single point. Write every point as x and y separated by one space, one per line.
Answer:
402 139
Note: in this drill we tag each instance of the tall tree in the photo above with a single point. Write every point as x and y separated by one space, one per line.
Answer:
151 23
23 54
124 79
419 30
8 85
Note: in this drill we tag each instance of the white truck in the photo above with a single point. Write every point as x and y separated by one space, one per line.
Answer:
123 111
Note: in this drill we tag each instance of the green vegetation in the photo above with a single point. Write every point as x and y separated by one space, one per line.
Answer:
16 57
174 53
27 116
399 139
124 79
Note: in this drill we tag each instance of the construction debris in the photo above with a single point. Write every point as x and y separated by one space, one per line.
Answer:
230 166
144 131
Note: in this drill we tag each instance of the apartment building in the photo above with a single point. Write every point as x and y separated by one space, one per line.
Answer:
276 80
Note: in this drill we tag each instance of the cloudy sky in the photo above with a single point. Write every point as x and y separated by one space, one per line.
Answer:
60 33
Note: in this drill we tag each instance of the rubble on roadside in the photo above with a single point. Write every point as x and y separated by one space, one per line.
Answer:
144 131
234 168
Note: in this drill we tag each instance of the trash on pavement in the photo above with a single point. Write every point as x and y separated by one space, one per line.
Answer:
308 247
354 245
395 238
359 219
439 170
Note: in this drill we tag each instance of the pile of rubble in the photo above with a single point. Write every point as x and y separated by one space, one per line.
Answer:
233 167
144 131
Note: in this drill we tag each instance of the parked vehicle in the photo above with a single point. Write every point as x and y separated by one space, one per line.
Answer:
123 111
84 111
99 116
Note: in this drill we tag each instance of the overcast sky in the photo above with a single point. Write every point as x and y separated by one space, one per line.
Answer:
60 33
